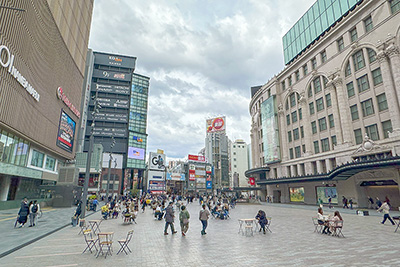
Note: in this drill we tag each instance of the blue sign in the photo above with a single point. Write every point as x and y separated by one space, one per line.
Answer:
209 184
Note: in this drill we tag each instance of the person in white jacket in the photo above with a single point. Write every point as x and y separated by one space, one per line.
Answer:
385 209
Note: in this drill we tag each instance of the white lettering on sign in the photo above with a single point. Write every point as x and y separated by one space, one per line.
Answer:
9 63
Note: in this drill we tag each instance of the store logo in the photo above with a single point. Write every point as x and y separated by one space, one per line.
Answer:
117 59
158 161
106 74
8 62
64 98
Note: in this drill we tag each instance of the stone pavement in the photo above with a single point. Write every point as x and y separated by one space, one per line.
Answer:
292 242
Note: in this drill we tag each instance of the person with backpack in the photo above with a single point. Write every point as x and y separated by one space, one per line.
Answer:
33 212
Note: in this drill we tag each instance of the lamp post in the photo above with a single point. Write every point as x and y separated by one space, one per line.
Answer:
109 168
115 166
97 107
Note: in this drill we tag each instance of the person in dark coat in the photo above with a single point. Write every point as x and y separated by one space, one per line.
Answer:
23 213
169 219
262 219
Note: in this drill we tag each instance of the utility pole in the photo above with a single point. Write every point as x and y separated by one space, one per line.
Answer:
115 166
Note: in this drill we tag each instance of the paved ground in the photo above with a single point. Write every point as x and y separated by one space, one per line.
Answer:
292 242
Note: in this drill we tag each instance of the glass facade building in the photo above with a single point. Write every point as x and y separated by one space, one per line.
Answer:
315 22
138 119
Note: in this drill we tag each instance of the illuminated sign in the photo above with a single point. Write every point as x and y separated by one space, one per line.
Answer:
136 153
137 138
64 98
216 125
9 63
66 132
198 158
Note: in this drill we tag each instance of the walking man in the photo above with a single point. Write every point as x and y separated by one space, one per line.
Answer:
33 211
203 217
385 209
184 220
169 219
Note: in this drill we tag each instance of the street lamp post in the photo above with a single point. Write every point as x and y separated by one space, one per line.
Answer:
115 166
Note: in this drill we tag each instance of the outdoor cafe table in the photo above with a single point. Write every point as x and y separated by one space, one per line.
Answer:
105 240
95 225
247 222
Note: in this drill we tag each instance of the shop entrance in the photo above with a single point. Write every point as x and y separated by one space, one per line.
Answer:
277 196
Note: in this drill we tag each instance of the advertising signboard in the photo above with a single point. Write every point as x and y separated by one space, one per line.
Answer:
156 185
209 185
192 172
175 176
112 75
296 194
113 103
156 161
110 88
112 117
66 132
116 132
324 193
198 158
136 153
269 121
114 60
215 125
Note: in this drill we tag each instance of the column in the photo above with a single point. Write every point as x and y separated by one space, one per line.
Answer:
283 134
336 113
344 109
390 91
393 53
306 124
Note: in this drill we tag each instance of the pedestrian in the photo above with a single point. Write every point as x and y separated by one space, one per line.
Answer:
169 219
370 202
23 213
351 203
378 203
95 203
330 202
203 217
385 209
262 220
344 201
387 201
33 212
184 217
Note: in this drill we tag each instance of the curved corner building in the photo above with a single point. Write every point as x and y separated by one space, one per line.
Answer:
328 125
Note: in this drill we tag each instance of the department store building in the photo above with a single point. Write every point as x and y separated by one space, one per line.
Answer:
328 125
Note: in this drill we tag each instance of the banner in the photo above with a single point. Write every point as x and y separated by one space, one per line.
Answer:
209 185
252 181
270 130
156 161
198 158
136 153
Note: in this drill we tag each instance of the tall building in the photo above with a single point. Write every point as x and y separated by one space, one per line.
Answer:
217 151
43 51
328 125
116 99
239 163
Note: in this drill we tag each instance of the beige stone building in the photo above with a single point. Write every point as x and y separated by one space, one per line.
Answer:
328 125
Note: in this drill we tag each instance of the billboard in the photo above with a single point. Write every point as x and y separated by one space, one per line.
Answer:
156 161
113 103
324 193
116 160
269 121
112 75
175 176
66 132
198 158
192 172
208 185
216 125
136 153
110 88
116 132
296 194
115 60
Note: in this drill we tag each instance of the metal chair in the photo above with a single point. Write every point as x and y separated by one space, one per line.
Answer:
90 241
268 224
83 226
338 229
124 243
318 227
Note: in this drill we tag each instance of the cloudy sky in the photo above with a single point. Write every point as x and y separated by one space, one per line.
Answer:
202 57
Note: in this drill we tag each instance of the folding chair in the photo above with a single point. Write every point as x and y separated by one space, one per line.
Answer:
338 229
248 229
318 227
90 241
82 225
268 224
124 243
105 242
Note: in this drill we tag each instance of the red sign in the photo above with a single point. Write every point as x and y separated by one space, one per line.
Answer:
215 125
64 98
252 181
199 158
192 175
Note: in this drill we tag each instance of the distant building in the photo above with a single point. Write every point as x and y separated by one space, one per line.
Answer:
239 163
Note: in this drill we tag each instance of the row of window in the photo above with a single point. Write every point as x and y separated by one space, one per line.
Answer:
293 116
43 161
13 150
322 124
367 107
323 144
296 134
372 131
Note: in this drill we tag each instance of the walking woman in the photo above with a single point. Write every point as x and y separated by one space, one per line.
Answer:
184 217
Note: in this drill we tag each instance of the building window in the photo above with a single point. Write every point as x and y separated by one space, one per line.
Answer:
368 24
367 107
320 104
372 132
358 136
314 63
382 103
394 5
362 83
297 75
340 44
325 145
316 147
301 131
323 56
354 112
334 141
331 121
350 89
303 147
305 70
291 153
287 104
317 85
290 80
377 76
386 127
300 114
353 35
293 100
314 127
328 100
309 91
371 55
50 163
322 124
297 151
289 135
347 71
358 60
296 134
37 159
288 119
283 86
312 110
294 116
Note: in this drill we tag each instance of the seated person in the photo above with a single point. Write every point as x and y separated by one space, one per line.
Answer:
262 219
323 220
127 215
333 223
105 211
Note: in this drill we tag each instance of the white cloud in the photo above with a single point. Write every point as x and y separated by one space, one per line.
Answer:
202 58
